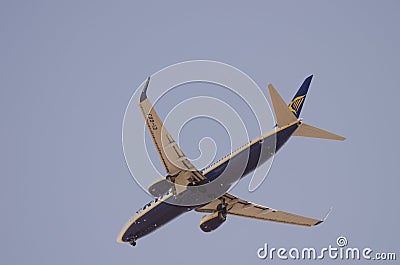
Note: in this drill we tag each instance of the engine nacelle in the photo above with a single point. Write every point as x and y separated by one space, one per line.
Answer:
160 187
212 222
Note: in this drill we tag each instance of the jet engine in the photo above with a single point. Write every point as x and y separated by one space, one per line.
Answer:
212 222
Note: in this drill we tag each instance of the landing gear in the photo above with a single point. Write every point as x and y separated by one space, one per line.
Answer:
132 242
222 211
171 178
192 183
222 216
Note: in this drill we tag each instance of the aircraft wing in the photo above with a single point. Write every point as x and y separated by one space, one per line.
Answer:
173 159
239 207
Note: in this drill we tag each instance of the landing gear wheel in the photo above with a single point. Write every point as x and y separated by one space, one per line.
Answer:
132 242
222 211
171 178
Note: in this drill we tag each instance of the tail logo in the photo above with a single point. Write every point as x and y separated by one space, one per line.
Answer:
296 103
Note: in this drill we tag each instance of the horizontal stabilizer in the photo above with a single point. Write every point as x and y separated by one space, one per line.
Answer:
314 132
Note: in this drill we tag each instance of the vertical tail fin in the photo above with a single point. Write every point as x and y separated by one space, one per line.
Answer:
297 102
283 115
288 114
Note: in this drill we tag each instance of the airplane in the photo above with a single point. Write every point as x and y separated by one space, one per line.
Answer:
182 174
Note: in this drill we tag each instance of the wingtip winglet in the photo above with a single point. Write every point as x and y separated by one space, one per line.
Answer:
325 217
327 214
143 95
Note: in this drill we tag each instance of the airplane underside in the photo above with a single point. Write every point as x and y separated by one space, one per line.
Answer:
167 211
179 192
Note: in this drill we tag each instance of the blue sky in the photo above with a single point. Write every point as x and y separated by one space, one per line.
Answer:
69 68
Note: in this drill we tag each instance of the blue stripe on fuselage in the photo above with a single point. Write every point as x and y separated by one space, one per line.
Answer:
278 139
